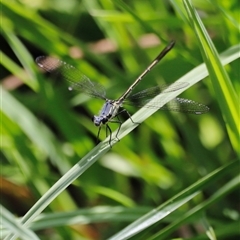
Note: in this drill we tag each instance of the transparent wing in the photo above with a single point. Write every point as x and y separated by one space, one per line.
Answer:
154 91
77 80
177 105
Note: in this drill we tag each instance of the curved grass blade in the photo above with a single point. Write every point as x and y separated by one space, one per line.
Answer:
10 222
223 87
194 212
165 209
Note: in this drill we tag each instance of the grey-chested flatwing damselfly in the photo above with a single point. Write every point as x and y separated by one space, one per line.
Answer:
112 108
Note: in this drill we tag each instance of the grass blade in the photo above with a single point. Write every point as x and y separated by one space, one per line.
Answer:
225 93
9 221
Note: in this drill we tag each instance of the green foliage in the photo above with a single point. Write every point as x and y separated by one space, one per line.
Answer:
175 176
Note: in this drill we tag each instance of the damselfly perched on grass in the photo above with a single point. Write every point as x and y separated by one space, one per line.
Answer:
113 108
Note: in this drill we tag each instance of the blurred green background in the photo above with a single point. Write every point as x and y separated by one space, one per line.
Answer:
45 129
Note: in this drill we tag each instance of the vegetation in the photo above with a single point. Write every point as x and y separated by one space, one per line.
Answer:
175 176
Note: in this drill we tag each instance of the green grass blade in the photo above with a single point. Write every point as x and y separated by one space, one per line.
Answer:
127 9
167 208
208 228
9 64
63 183
194 212
10 222
225 93
89 215
23 55
33 128
152 217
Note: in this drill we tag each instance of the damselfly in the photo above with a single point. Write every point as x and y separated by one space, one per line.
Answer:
112 108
